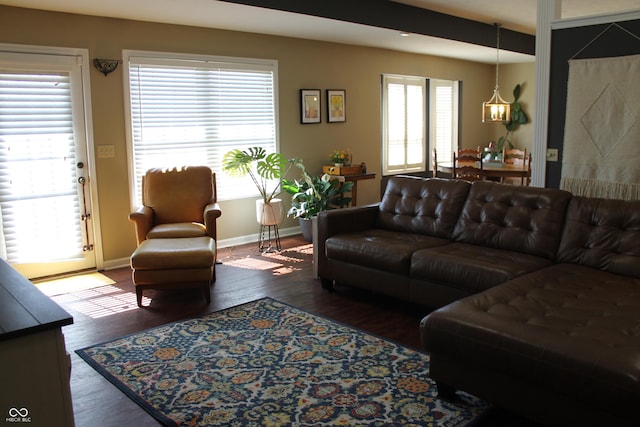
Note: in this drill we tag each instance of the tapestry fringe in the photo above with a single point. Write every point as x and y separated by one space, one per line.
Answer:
601 189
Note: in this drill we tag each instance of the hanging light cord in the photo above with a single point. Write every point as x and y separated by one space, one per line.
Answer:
497 51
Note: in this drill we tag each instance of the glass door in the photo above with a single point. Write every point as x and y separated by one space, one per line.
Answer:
45 200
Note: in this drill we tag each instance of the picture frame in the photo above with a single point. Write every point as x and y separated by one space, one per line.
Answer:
310 103
336 105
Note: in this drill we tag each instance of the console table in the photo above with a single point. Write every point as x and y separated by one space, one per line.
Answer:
34 364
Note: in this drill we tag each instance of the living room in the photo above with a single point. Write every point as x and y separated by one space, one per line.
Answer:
302 64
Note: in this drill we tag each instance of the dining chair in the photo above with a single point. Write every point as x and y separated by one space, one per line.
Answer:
517 158
435 163
467 165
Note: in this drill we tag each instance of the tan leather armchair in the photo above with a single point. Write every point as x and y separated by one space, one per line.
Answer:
177 203
176 231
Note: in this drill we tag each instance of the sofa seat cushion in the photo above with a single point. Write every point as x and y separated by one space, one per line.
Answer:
470 267
379 249
569 328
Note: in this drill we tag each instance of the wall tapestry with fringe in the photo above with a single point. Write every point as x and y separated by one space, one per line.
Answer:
601 155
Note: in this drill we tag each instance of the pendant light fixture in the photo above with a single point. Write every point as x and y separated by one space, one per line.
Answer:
496 110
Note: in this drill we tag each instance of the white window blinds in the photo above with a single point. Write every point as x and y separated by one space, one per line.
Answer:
40 214
191 112
443 120
403 110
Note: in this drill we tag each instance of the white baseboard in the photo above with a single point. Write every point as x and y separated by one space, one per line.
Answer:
113 264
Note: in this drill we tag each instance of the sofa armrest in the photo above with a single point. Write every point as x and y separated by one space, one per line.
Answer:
142 219
211 213
340 221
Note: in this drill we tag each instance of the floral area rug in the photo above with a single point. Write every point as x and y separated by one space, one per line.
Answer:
266 363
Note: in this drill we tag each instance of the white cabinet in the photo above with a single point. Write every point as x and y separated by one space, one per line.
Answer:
34 364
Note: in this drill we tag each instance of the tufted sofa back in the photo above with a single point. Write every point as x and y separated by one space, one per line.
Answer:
602 234
422 206
523 219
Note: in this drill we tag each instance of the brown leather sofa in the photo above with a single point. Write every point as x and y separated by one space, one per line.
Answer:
539 291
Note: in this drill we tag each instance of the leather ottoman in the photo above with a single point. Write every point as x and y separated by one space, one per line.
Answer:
180 263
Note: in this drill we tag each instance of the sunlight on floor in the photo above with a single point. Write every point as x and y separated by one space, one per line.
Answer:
93 295
73 283
100 302
273 260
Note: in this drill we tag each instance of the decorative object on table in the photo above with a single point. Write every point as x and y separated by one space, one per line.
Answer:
310 106
496 110
266 172
336 105
342 170
314 194
268 363
492 156
340 158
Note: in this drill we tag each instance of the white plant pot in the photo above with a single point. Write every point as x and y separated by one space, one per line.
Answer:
270 213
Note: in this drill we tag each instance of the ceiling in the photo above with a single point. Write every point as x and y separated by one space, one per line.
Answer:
518 15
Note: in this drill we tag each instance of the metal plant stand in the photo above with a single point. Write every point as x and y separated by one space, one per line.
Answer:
266 241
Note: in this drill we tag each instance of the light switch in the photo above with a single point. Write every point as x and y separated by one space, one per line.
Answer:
106 151
552 154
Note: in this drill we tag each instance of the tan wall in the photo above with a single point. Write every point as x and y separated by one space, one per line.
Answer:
302 64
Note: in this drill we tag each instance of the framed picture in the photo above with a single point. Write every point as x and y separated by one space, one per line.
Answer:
310 106
336 105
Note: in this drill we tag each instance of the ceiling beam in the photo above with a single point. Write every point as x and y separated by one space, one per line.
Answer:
405 18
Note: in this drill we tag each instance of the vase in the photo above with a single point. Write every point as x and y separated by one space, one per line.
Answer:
338 165
269 213
305 227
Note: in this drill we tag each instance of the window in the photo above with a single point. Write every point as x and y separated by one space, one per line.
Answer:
404 110
191 110
403 123
443 118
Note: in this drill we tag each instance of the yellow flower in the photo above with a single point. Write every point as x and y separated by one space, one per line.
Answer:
339 156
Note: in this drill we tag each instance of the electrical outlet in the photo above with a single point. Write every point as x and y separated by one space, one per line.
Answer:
106 151
552 154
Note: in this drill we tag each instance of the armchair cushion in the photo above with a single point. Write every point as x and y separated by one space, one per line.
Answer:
176 230
177 195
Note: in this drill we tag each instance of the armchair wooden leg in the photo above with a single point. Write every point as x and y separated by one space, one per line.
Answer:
139 295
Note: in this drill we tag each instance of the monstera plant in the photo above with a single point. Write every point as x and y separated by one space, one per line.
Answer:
267 172
263 169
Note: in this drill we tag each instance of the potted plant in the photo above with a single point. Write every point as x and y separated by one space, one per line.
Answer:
266 172
312 195
340 157
518 117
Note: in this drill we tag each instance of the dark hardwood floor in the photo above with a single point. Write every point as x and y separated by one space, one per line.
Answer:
245 275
